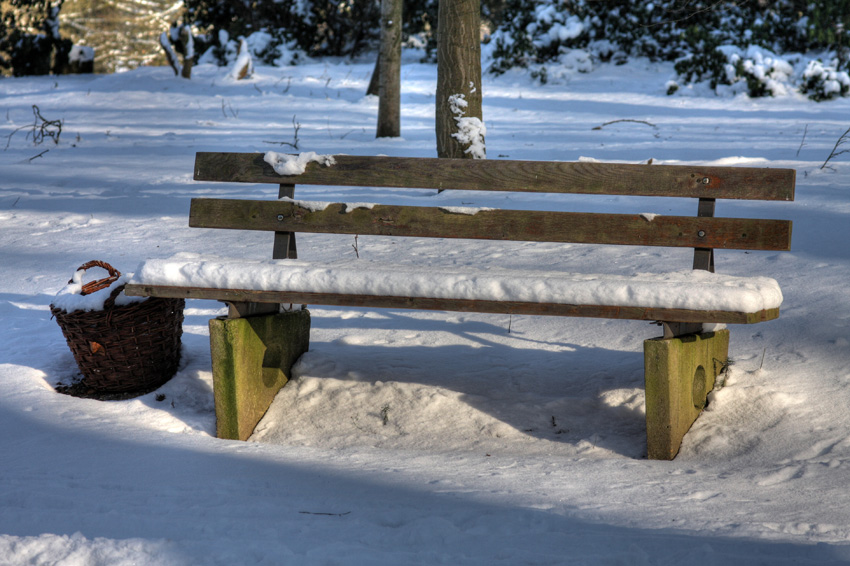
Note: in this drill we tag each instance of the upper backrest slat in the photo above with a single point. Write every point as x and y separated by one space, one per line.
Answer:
693 181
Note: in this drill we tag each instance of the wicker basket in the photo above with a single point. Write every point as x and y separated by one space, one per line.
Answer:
129 349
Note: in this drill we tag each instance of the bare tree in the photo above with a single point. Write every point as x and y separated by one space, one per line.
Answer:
389 66
459 124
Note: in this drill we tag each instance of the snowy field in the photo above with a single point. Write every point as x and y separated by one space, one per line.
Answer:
418 437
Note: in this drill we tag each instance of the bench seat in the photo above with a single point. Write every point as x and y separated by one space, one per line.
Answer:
684 296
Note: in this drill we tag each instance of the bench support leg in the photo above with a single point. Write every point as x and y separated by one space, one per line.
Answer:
252 359
679 373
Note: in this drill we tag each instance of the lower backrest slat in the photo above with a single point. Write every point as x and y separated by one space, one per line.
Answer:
490 224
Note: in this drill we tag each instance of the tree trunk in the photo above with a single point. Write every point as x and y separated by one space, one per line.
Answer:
458 73
188 51
389 104
165 43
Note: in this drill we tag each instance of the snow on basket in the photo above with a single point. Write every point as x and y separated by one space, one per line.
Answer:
123 346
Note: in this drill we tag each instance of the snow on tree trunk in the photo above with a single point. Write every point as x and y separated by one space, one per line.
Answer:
188 42
459 120
165 42
470 130
389 91
244 65
183 38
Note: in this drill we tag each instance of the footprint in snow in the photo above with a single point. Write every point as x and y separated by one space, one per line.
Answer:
781 475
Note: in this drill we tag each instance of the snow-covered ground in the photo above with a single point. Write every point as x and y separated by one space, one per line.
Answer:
418 437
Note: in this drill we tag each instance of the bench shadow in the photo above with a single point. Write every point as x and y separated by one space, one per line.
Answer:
178 500
547 390
552 391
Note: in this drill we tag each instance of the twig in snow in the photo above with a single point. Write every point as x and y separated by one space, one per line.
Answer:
229 106
626 120
355 420
37 156
555 425
355 246
806 131
45 128
288 84
294 144
835 153
9 137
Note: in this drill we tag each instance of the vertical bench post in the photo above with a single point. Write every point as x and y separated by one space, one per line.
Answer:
253 351
704 257
284 242
680 369
252 359
679 373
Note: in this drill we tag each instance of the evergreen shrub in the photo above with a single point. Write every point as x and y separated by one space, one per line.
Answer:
761 48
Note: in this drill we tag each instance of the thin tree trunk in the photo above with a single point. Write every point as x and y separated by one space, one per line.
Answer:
458 71
389 105
188 51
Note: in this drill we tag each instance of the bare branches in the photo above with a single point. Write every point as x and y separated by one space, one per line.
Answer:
41 128
806 131
37 156
294 143
225 105
835 152
356 247
687 12
653 126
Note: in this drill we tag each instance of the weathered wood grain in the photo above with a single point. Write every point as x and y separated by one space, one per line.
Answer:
509 175
521 225
460 305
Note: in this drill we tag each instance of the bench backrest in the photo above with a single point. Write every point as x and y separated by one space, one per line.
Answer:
703 232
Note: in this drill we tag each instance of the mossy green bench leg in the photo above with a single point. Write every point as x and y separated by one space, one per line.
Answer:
252 359
679 372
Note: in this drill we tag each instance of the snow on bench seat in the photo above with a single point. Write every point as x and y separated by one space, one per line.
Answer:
692 290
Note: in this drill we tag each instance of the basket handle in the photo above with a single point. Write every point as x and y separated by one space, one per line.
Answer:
110 301
98 284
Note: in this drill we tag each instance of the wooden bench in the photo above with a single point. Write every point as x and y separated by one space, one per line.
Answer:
255 346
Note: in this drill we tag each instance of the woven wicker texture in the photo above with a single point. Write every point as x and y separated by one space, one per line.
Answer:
131 348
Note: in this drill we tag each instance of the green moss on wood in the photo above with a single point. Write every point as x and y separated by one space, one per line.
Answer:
252 359
679 373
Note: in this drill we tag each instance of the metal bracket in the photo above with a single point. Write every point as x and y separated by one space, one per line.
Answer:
284 242
704 257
